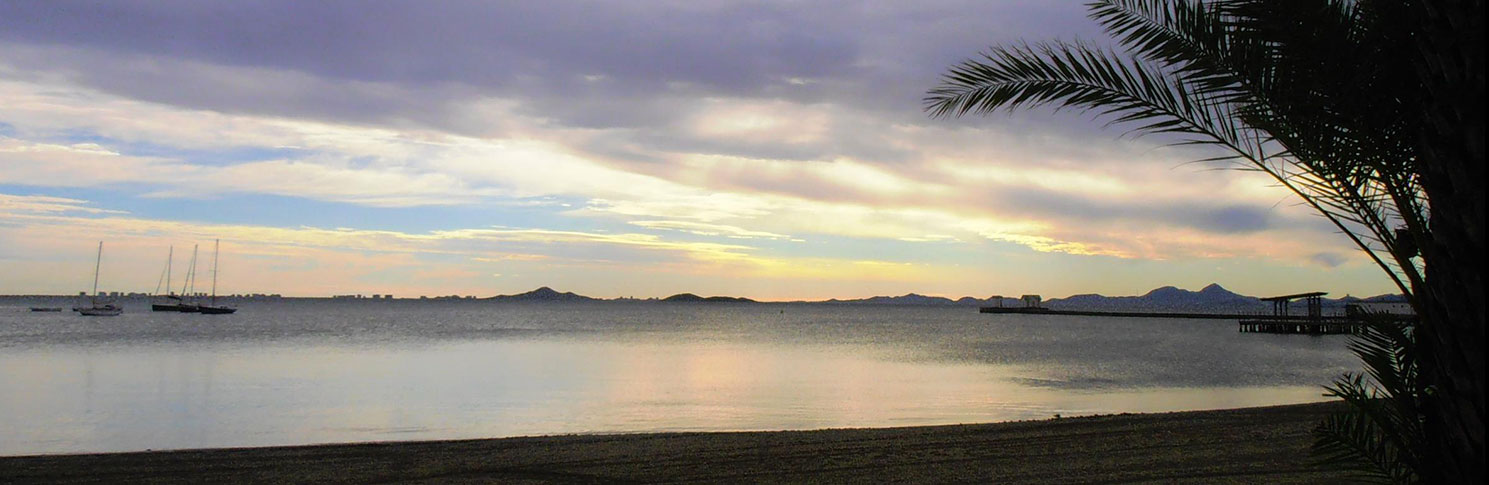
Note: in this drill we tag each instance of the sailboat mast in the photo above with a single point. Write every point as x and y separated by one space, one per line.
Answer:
190 275
170 255
93 297
216 243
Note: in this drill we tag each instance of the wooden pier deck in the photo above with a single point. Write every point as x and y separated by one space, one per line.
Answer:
1324 326
1085 313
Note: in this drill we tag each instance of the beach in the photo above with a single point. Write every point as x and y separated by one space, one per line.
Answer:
1249 445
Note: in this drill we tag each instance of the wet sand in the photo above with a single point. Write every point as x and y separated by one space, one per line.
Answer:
1252 445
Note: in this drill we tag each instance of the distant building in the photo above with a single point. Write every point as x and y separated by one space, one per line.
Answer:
1031 301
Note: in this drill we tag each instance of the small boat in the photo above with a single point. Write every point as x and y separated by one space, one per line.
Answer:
216 310
46 309
172 304
168 302
188 287
213 309
107 309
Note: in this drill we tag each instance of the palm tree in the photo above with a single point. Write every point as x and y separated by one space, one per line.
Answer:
1371 112
1381 437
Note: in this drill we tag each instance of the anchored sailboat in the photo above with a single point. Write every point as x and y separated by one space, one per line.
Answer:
213 309
108 309
168 302
188 288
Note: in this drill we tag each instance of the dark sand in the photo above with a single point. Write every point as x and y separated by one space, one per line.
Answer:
1253 445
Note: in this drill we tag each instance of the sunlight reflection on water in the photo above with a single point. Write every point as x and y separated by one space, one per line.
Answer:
313 372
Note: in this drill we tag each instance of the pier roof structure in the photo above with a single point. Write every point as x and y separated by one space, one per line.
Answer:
1281 303
1296 296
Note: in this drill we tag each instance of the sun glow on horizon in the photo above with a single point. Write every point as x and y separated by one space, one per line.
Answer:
823 180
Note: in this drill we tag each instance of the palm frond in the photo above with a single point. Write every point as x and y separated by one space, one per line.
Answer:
1380 433
1311 92
1260 78
1091 79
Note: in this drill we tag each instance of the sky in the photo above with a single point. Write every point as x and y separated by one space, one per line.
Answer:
771 150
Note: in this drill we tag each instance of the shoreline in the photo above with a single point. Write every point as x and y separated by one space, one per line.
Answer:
1246 445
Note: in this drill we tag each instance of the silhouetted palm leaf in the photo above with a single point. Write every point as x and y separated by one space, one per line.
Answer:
1310 92
1381 433
1289 88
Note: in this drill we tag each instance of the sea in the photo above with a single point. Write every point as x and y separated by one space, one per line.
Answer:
303 371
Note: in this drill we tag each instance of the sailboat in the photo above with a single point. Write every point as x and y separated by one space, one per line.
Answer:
213 309
169 302
108 309
188 287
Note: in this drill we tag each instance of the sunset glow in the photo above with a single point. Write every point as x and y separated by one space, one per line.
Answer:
776 152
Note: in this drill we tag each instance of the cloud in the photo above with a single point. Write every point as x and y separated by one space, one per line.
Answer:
665 127
1089 208
1328 260
41 204
323 261
705 229
579 65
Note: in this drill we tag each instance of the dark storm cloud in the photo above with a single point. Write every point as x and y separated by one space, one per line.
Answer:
1216 218
1328 260
479 43
544 54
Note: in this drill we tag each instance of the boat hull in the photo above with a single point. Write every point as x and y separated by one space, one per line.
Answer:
103 311
216 310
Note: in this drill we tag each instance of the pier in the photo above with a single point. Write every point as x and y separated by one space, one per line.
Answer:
1282 321
1314 323
1305 326
1085 313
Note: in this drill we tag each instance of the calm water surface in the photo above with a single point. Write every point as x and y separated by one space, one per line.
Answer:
316 371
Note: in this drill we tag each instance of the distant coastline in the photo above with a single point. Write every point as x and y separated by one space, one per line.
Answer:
1168 298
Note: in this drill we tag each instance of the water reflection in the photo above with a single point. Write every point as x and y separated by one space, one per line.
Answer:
338 375
165 397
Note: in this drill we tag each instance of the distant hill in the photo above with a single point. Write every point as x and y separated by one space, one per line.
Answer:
908 299
918 299
544 294
1212 298
691 298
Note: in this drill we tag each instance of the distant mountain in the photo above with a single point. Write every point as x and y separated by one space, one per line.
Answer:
544 294
907 299
1212 298
691 298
